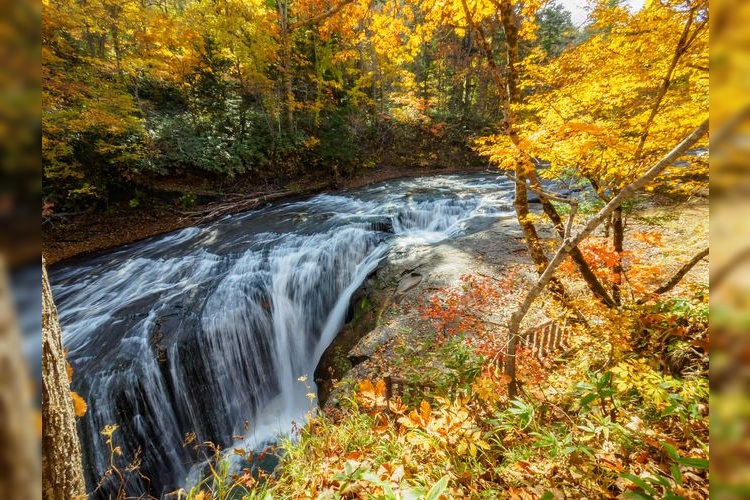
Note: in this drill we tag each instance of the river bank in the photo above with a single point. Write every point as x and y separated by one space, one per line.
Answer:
66 237
218 310
215 324
411 404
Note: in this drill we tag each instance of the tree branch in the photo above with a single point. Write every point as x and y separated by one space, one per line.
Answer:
541 192
677 277
323 15
570 243
565 231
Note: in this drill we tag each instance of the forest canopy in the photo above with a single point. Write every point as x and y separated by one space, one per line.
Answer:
137 91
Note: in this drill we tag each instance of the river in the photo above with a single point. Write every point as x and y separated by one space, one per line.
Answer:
208 330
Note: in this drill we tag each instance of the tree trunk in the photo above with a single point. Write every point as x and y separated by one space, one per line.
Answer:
286 80
19 455
287 89
62 469
618 236
583 267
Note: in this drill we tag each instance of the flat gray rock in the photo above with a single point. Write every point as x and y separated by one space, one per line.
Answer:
370 344
408 282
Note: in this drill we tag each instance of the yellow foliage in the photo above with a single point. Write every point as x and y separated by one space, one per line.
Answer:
451 427
607 119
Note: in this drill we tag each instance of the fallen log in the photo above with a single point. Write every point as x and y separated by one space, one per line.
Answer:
235 203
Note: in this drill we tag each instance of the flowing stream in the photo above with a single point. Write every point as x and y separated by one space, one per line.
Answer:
210 327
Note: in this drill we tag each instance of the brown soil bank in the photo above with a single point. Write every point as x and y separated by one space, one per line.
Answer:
64 237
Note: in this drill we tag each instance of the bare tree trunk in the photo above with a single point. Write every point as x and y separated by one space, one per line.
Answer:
287 89
583 267
571 242
19 455
510 94
62 469
618 237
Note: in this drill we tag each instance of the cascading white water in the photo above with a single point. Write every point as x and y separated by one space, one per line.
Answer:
204 329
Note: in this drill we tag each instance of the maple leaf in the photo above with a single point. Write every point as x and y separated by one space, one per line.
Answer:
372 395
79 404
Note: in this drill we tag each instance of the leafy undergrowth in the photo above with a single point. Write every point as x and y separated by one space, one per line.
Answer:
620 411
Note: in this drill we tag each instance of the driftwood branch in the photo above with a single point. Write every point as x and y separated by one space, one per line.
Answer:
570 243
235 203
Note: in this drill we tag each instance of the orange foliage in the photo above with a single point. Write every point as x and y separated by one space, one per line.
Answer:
463 310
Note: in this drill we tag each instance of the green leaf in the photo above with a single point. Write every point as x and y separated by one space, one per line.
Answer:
636 494
547 495
640 483
587 399
607 392
583 386
670 410
371 477
671 451
698 463
676 474
438 489
661 480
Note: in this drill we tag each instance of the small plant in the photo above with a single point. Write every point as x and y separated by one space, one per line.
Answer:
597 392
517 417
341 363
464 365
138 199
563 444
660 485
120 475
187 200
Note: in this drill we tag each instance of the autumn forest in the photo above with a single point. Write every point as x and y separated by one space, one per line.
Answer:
375 249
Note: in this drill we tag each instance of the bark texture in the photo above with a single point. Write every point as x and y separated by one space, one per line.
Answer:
62 469
19 454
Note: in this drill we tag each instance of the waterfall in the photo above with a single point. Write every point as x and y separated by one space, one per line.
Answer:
204 329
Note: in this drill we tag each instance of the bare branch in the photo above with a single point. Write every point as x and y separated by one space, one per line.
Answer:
717 277
677 277
323 15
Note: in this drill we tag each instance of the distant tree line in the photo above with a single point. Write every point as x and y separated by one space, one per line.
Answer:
141 90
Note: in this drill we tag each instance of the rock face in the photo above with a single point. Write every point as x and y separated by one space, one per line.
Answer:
385 310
